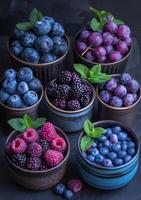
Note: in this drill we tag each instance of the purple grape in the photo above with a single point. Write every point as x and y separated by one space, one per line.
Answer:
89 55
114 138
107 38
102 59
135 96
120 91
111 85
105 96
122 47
81 46
111 27
115 40
100 51
132 86
123 31
95 39
128 100
115 56
128 41
124 78
109 49
116 101
84 35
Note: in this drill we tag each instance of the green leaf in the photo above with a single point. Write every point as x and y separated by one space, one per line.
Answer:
28 121
96 12
94 24
33 16
17 124
88 127
96 69
40 15
86 143
24 26
82 70
38 122
118 21
99 131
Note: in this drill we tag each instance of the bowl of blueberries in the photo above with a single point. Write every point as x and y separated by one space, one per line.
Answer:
41 44
119 98
108 44
20 93
111 160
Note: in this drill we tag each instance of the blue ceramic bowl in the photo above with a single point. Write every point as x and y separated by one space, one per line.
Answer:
69 121
108 178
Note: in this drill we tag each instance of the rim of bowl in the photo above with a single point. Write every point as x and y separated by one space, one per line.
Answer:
95 63
132 133
38 64
71 112
43 171
117 108
27 108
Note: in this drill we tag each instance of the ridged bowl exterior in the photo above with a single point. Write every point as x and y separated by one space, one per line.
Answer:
108 178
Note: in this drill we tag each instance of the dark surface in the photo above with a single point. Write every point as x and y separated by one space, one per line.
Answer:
73 14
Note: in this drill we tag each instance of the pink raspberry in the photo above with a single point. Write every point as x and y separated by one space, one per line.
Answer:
34 150
75 185
59 144
30 135
48 132
18 145
53 158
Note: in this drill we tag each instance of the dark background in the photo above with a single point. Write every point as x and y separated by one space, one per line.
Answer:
73 14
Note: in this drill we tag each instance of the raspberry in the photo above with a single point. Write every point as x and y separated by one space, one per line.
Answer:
19 159
18 145
30 135
59 103
64 77
77 90
45 145
33 163
75 78
85 100
48 132
43 166
59 144
34 150
52 89
75 185
53 158
63 91
73 105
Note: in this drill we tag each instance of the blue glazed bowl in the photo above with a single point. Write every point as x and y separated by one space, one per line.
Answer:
108 178
69 121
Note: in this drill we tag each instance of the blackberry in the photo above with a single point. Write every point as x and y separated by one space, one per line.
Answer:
85 100
59 103
77 90
19 159
87 89
45 145
63 91
33 163
43 166
52 89
75 78
73 105
64 77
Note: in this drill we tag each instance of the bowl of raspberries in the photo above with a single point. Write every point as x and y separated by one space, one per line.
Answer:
37 158
20 93
41 44
70 101
106 41
118 98
112 158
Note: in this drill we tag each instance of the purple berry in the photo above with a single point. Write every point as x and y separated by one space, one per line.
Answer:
81 46
90 158
127 158
122 154
109 49
132 86
111 85
111 27
115 40
135 96
116 102
114 138
59 103
100 51
123 31
89 55
84 35
105 96
128 100
107 38
122 47
124 78
73 105
107 163
102 59
116 129
120 91
115 56
95 39
128 41
131 151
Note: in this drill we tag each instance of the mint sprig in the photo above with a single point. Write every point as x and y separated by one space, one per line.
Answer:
20 124
35 16
91 133
93 75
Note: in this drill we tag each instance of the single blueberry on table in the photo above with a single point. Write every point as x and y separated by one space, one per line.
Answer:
130 145
16 48
57 29
30 98
68 194
24 74
122 154
131 151
90 158
29 39
44 44
104 151
60 46
107 143
116 129
30 55
35 84
107 163
112 155
94 152
22 87
127 158
114 138
3 96
118 162
122 136
60 189
42 27
48 57
10 74
9 86
99 159
14 101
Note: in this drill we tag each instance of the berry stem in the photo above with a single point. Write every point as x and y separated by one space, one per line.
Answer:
89 47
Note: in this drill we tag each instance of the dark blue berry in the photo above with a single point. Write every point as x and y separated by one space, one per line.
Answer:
102 138
131 145
107 163
60 189
14 101
122 154
122 136
104 151
116 129
100 144
42 27
30 98
90 158
112 155
30 55
94 152
35 84
16 48
48 57
60 46
131 151
10 74
124 146
84 154
116 147
109 132
44 44
68 194
94 145
57 29
99 159
127 158
3 96
25 74
18 34
107 143
29 39
118 162
9 86
49 19
22 87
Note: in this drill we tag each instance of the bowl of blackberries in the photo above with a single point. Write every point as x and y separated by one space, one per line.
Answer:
119 98
36 156
20 93
69 100
106 41
40 43
108 154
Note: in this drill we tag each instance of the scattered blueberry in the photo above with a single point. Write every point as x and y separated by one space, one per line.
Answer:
60 189
68 194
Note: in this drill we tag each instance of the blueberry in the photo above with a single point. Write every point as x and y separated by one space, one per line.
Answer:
100 144
44 44
107 163
116 129
131 151
109 132
107 143
114 138
112 155
130 145
124 146
102 138
60 188
94 152
30 98
132 86
116 147
122 136
57 30
104 151
18 34
68 194
22 87
99 159
10 74
122 154
60 46
94 145
118 162
14 101
84 154
25 74
9 86
90 158
16 48
49 19
42 27
3 96
35 84
127 158
124 78
48 57
30 55
29 39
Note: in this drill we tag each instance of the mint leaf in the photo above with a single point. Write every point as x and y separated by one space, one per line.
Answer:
96 12
33 16
96 69
17 124
40 15
118 21
82 70
94 24
28 121
88 127
38 122
86 143
99 131
24 26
